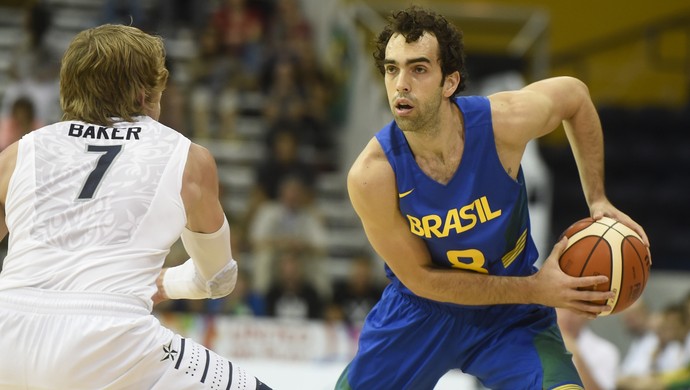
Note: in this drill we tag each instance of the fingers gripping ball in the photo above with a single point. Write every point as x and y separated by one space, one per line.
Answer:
607 247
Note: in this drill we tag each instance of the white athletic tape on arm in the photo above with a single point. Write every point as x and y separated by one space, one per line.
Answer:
211 252
185 282
224 281
210 273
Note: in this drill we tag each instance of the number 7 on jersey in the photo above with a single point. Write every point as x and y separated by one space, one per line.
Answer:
104 162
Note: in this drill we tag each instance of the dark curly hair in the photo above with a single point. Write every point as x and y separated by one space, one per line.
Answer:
412 23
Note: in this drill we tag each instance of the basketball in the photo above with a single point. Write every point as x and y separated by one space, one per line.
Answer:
607 247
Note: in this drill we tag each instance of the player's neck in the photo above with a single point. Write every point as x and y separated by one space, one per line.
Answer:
439 155
444 140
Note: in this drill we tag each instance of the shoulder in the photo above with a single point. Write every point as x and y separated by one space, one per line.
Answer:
371 184
371 168
200 170
200 159
538 101
514 105
519 116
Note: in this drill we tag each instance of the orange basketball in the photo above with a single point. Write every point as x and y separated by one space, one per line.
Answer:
607 247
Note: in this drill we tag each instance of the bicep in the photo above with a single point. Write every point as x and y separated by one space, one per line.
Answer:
537 109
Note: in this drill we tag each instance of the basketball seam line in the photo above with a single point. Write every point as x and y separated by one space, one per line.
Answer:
601 237
640 258
589 257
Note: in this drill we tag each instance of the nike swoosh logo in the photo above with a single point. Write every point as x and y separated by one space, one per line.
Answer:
404 194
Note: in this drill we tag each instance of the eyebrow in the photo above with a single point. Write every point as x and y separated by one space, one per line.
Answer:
408 62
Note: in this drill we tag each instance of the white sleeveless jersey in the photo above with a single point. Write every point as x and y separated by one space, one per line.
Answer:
93 208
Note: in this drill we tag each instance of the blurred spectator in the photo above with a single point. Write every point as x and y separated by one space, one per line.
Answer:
289 224
218 77
210 77
301 105
240 32
283 160
667 358
33 57
676 380
34 68
339 340
127 12
175 16
596 359
285 96
671 331
21 121
318 119
298 91
359 292
636 320
174 103
334 315
287 24
686 308
291 295
319 130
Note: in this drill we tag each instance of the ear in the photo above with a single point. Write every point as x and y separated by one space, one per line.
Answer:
451 83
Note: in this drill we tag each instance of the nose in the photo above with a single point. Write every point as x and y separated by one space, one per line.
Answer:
402 82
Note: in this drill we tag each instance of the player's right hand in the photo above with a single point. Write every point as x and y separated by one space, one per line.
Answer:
555 288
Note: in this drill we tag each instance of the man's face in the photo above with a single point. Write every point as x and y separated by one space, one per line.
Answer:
413 81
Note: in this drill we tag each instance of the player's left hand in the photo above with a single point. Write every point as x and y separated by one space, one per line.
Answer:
604 208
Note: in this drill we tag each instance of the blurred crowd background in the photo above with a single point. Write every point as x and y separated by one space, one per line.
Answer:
285 94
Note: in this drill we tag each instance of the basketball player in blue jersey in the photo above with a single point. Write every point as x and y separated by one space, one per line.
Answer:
442 199
92 205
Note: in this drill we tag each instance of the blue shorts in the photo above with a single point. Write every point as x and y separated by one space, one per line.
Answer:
409 342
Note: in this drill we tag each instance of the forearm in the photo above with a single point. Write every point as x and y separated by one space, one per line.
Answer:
469 288
587 143
211 252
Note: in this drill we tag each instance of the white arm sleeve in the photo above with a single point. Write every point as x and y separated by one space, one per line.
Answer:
210 273
210 252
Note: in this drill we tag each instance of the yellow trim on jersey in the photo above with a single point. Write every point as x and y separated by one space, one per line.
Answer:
509 257
569 386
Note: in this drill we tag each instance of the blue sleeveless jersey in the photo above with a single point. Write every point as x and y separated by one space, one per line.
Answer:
478 221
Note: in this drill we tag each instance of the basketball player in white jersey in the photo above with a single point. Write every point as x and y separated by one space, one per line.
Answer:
92 205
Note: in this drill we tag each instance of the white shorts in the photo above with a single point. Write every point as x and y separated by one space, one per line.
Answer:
69 340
